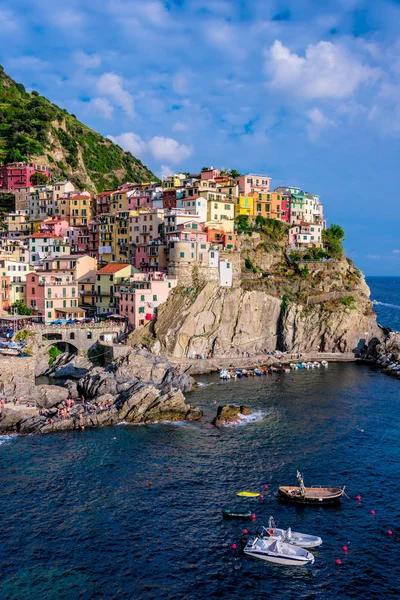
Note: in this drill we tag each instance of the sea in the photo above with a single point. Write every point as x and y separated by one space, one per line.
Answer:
135 512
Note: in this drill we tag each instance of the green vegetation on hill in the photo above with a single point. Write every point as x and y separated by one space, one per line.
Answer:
34 129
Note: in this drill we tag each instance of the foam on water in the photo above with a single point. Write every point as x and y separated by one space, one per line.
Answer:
6 438
255 417
377 303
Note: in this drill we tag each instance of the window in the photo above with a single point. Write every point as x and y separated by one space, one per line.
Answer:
141 309
72 335
64 304
181 255
33 291
259 207
169 284
33 249
64 292
142 298
154 298
111 277
49 315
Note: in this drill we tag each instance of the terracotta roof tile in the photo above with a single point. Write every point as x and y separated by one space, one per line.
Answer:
113 268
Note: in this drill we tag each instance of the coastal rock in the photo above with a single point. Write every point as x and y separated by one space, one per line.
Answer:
230 414
48 396
385 353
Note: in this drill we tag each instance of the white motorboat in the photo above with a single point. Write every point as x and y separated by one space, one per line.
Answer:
324 364
275 551
224 374
290 537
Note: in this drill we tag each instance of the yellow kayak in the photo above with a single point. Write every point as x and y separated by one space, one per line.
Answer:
248 494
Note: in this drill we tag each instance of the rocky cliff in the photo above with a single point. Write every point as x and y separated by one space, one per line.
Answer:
279 304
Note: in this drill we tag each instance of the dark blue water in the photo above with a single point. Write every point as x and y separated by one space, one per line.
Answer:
79 520
385 294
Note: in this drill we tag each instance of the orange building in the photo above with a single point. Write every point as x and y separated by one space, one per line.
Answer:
268 205
220 237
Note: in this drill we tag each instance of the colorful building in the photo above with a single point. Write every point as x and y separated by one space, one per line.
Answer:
306 235
106 280
18 175
244 206
43 245
53 295
253 183
141 295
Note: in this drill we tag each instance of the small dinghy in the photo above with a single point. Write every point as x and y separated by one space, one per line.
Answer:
324 364
275 551
248 494
224 374
258 372
310 495
236 514
239 373
290 537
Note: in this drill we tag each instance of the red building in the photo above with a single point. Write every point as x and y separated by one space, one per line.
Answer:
18 175
169 198
285 209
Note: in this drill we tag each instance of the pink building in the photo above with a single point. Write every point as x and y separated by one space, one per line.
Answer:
305 235
140 199
56 226
53 295
285 209
18 175
191 231
78 239
253 183
210 174
139 299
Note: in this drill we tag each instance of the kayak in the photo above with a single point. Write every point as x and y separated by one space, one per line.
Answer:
248 494
236 514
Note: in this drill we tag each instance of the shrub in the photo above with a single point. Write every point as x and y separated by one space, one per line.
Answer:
348 301
53 353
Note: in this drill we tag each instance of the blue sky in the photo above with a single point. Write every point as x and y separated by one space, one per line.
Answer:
303 90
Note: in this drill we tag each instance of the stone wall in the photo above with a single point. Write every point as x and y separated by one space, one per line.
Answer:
16 373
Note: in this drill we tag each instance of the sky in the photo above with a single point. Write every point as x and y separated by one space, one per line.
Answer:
305 91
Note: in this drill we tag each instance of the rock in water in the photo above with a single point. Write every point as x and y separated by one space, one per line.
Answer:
230 414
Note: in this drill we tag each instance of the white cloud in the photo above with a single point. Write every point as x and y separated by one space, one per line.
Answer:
179 126
67 18
154 12
326 71
87 61
102 106
130 141
179 83
396 251
317 122
8 21
373 256
169 149
111 85
164 171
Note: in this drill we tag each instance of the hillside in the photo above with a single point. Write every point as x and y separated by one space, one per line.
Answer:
34 129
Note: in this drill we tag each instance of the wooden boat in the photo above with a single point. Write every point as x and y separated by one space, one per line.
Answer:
310 495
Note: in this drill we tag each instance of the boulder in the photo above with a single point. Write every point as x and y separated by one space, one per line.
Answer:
230 414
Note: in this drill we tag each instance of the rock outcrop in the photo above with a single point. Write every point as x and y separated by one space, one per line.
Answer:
385 353
139 388
298 307
226 415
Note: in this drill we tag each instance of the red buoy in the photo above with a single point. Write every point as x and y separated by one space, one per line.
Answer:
253 516
261 496
234 546
372 511
338 561
390 532
265 487
169 468
345 548
358 497
245 532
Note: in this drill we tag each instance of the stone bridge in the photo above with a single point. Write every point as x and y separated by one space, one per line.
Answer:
79 338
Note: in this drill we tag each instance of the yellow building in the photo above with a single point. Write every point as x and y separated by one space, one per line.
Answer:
118 201
220 210
78 209
245 206
106 280
173 181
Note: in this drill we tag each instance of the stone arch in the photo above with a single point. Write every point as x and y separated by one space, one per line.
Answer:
65 347
52 336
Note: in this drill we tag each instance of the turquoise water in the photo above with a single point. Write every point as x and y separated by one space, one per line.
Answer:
79 519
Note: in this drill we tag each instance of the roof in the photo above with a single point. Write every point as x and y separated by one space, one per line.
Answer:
74 310
113 268
46 235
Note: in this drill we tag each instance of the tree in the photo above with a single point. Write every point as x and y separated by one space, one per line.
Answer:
39 179
242 223
333 238
20 308
234 173
205 169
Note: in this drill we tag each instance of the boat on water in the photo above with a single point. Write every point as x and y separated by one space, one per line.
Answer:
285 369
300 366
294 366
224 374
10 348
227 513
258 372
324 364
239 373
290 537
275 551
310 495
